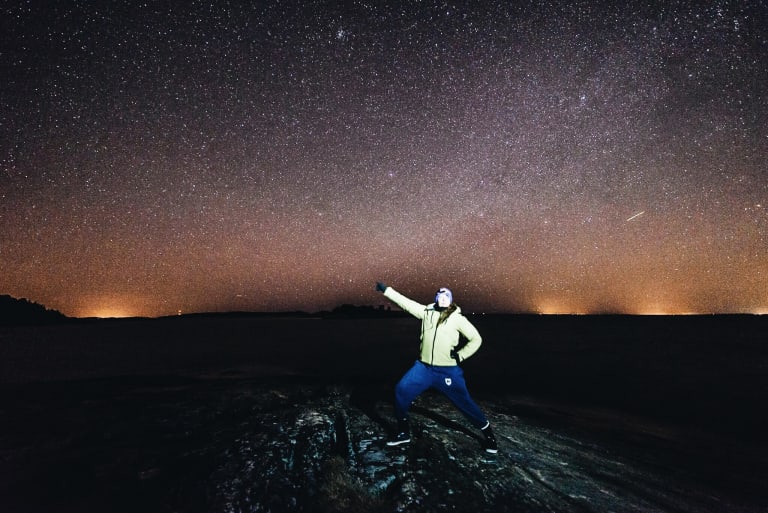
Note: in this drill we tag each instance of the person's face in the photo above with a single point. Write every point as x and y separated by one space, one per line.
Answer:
443 298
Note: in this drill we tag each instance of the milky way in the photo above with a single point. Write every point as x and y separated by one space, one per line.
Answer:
574 157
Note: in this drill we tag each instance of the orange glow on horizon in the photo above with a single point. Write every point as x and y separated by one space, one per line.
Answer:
558 308
667 308
109 313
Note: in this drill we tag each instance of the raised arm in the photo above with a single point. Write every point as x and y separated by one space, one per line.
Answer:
409 305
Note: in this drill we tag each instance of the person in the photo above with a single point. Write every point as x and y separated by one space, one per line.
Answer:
442 325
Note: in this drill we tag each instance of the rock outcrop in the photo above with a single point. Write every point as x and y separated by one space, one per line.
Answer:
245 445
329 454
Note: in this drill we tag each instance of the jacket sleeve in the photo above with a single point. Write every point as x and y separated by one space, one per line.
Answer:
473 337
409 305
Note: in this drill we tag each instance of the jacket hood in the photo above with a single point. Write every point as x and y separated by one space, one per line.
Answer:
433 306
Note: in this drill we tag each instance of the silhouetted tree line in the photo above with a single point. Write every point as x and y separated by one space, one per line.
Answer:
22 311
347 311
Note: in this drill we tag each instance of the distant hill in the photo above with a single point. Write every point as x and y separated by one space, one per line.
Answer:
348 311
345 311
21 311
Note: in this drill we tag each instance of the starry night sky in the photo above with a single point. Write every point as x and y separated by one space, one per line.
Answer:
554 157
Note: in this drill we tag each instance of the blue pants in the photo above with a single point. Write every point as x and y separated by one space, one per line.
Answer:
447 380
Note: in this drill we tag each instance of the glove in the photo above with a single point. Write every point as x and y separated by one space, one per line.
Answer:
380 286
455 356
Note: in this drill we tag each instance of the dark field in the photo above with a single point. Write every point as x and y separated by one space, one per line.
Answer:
91 401
708 370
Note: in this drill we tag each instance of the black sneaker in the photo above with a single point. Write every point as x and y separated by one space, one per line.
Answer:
489 442
401 438
490 446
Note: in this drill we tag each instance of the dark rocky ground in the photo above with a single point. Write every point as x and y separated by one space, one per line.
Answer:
226 428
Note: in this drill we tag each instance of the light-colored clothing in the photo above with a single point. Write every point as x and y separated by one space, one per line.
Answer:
437 342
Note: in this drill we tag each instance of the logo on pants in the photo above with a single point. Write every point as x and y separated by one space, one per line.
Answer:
448 381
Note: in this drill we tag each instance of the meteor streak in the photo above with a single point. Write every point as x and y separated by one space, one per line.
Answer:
636 215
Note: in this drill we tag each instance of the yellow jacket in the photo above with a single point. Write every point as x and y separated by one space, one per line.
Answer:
438 341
